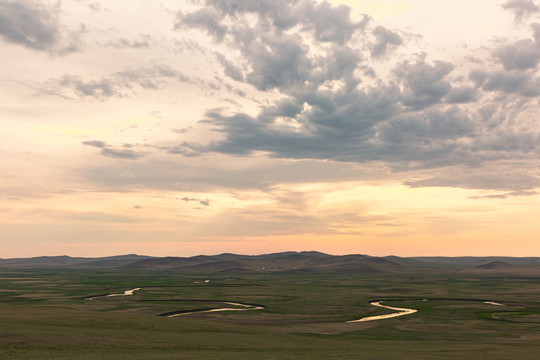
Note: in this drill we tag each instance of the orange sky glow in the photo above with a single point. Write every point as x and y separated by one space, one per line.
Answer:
396 127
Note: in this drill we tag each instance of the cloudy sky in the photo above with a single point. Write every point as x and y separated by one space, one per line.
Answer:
406 127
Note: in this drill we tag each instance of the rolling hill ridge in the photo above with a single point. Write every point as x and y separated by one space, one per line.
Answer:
290 261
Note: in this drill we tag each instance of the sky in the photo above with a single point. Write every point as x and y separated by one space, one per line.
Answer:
178 128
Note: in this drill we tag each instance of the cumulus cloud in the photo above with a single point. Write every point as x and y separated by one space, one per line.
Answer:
385 40
522 54
423 113
344 135
425 84
278 62
206 18
324 21
274 58
329 24
507 82
36 25
461 95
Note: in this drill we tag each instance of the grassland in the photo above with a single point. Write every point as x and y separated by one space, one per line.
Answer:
46 314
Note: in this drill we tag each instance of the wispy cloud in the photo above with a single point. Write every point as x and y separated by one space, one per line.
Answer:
202 202
119 84
521 8
109 151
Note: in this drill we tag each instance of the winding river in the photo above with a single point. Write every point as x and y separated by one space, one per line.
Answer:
243 307
127 292
400 312
493 303
246 307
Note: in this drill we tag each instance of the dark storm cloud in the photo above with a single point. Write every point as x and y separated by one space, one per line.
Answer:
335 106
109 151
521 8
36 25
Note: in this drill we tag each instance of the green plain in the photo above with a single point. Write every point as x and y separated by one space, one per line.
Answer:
46 314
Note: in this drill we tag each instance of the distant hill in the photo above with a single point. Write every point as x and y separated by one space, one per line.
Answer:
506 267
286 261
289 261
471 261
495 265
67 261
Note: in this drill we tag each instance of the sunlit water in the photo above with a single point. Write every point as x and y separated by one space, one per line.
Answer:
245 307
493 303
127 292
401 312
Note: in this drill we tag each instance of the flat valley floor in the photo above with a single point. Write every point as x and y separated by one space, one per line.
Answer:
67 314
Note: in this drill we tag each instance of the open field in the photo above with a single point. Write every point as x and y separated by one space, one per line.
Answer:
64 314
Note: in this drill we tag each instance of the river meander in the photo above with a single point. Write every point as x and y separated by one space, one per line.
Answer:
237 306
400 312
242 307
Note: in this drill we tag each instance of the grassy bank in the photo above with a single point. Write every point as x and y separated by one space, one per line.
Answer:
46 315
